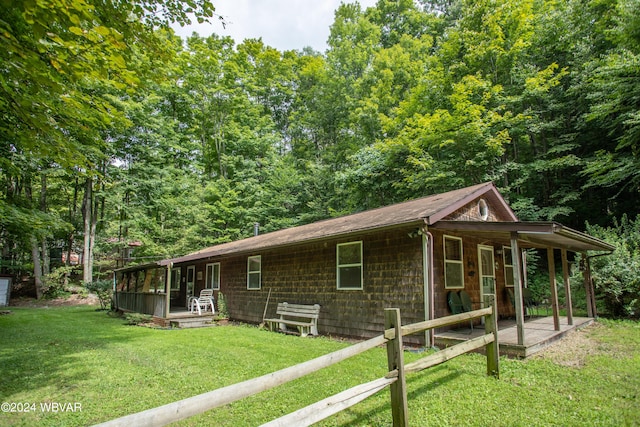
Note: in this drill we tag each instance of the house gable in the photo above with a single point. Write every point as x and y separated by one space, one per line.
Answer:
489 207
480 203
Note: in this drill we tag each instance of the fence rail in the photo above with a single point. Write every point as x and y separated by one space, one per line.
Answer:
395 379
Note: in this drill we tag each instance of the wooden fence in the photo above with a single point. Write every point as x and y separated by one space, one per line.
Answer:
395 378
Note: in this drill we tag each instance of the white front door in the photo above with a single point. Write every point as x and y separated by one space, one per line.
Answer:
487 268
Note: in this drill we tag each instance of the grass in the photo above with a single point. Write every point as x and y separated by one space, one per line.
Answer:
79 355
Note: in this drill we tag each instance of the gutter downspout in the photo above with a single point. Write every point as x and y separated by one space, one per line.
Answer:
427 267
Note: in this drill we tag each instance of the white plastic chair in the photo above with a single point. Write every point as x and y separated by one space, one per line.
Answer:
203 302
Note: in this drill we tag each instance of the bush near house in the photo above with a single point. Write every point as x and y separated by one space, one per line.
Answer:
616 276
103 289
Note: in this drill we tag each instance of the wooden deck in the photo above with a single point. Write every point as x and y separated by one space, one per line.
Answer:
538 334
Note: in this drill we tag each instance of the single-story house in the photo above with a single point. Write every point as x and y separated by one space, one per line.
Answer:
408 255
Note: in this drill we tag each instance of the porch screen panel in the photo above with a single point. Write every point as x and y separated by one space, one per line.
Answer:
254 272
349 265
453 268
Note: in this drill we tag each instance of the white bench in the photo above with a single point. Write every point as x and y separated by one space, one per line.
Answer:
303 317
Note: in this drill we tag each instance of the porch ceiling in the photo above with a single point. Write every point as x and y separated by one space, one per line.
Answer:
529 234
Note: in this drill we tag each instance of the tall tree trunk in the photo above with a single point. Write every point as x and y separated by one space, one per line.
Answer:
46 258
71 241
46 261
94 222
87 256
35 248
37 266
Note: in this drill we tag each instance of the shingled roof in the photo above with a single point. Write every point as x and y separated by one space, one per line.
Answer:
426 210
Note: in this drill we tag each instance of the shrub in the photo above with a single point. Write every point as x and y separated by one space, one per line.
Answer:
137 319
223 311
616 277
539 286
54 284
103 289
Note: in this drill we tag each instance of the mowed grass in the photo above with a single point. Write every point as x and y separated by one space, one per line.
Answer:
89 361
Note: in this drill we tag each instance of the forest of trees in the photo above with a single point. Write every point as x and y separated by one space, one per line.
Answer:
115 132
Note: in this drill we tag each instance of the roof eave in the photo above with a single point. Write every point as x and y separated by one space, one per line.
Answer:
257 248
538 234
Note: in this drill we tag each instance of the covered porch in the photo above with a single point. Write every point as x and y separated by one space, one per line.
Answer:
516 336
155 290
539 332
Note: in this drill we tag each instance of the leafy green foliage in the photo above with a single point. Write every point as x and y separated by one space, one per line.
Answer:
223 311
615 276
56 283
136 319
103 290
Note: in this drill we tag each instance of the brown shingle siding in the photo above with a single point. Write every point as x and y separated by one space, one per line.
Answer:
306 274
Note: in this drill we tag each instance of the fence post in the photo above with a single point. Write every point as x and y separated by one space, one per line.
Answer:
492 349
395 362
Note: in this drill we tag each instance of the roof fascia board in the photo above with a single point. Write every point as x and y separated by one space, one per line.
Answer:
577 235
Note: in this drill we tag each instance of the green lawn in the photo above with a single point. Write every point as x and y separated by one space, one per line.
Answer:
105 369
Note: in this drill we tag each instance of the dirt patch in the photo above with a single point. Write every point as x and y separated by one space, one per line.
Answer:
573 349
73 299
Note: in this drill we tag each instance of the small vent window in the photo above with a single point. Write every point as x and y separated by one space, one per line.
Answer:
483 209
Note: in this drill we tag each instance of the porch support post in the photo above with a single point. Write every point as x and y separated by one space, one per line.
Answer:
567 287
517 286
588 287
554 289
167 291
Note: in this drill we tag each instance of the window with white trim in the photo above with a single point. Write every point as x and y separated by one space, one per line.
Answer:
349 265
212 276
453 268
508 266
254 272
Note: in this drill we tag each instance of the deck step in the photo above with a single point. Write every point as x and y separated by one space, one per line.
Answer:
191 322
